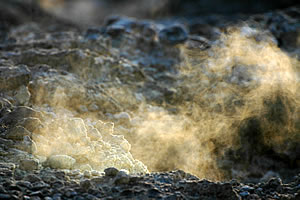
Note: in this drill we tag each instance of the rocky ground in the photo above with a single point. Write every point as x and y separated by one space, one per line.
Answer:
114 111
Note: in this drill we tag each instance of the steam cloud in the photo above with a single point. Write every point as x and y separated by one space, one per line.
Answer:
243 77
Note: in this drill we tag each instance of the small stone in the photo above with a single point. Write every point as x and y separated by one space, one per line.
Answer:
111 171
29 164
173 35
61 161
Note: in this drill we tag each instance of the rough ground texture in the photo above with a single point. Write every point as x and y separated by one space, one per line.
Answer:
77 105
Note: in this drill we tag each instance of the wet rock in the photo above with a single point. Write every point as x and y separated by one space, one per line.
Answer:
61 161
173 35
29 165
13 77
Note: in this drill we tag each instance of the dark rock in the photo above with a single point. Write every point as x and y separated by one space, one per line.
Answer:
173 35
112 172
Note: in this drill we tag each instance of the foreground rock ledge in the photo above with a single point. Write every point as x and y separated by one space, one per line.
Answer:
72 184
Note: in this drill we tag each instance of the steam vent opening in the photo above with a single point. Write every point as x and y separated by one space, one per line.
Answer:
159 99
